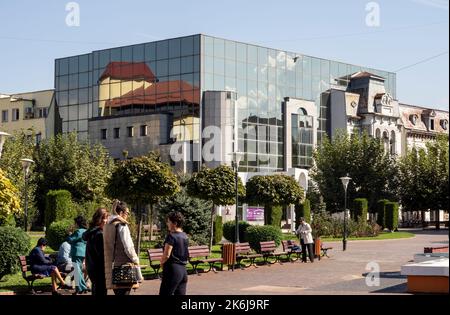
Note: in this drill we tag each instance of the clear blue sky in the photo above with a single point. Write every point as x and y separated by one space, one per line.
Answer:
34 33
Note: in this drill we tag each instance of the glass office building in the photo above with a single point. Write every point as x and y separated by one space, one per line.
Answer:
170 76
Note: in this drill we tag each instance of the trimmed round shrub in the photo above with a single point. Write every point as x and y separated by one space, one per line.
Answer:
391 216
218 229
359 208
57 233
303 210
13 243
263 233
58 206
229 231
8 221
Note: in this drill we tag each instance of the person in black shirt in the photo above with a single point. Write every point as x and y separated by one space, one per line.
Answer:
175 257
95 259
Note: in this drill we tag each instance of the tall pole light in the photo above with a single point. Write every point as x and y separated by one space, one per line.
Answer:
3 136
345 180
237 157
26 163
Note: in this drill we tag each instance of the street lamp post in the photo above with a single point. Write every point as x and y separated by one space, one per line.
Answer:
345 180
3 136
237 156
26 163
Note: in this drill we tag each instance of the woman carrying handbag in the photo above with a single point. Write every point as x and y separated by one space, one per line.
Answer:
122 271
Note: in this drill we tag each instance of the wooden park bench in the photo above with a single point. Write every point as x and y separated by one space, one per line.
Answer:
294 254
154 257
30 277
199 255
268 249
244 252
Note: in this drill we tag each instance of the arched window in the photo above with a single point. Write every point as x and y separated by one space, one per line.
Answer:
378 134
392 143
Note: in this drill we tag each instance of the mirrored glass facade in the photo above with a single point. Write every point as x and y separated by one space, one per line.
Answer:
262 78
157 77
170 76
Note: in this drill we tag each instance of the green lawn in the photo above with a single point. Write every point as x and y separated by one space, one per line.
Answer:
381 236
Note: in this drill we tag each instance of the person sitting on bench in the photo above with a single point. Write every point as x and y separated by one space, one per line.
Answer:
44 266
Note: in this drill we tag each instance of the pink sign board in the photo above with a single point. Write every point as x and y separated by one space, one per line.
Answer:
255 214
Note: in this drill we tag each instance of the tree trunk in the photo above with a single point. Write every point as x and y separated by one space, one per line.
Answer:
438 222
422 216
212 230
150 221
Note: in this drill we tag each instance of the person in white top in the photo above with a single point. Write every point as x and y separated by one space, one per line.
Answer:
306 240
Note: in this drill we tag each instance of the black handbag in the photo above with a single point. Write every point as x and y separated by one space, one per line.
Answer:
125 274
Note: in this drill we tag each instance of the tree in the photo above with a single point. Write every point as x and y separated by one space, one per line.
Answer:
142 181
373 171
274 192
424 178
218 186
21 145
9 198
196 213
63 162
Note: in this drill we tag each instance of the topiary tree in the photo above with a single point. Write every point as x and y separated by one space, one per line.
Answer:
13 243
381 208
195 211
216 185
142 181
274 192
58 206
57 232
359 208
303 210
218 229
229 231
9 199
263 233
391 216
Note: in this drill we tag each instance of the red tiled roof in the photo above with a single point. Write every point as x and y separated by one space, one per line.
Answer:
158 93
128 71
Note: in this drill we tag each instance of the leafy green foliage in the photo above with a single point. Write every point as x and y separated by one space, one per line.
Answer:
359 208
373 172
63 162
424 177
196 213
273 190
216 185
263 233
391 216
58 206
142 180
57 233
13 243
381 212
303 210
21 145
229 231
9 198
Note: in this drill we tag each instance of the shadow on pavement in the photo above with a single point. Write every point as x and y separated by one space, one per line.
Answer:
398 288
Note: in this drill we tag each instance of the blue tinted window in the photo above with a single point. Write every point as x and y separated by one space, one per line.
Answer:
73 65
219 48
162 49
230 50
187 46
138 53
63 66
150 51
174 48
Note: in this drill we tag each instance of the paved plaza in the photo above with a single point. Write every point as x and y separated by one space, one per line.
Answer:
343 273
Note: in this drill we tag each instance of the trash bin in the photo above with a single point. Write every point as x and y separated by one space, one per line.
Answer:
317 247
229 254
